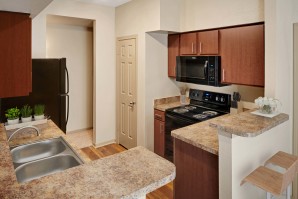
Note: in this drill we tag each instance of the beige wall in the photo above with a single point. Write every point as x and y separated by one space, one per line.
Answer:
140 16
203 14
136 18
75 43
104 58
295 107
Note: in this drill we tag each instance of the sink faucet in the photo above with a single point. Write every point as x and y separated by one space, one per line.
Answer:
18 130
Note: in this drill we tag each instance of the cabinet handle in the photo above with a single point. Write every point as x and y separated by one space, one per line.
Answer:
158 116
161 130
200 47
192 47
223 75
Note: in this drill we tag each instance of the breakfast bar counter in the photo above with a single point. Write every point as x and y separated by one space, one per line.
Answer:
247 124
129 174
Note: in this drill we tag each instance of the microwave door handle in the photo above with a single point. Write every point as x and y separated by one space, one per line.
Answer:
205 68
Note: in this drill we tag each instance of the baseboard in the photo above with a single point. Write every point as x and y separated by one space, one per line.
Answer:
104 143
78 130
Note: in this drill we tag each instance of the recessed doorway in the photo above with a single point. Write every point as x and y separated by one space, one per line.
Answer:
72 38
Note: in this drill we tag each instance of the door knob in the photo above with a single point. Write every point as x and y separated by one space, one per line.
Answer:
131 104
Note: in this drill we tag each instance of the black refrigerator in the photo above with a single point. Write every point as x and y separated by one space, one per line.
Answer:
50 86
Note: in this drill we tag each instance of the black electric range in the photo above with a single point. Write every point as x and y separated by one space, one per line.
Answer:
203 105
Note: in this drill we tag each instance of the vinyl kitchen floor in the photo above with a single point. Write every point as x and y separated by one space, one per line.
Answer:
81 139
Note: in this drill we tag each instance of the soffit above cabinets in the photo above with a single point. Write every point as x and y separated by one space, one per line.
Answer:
33 7
112 3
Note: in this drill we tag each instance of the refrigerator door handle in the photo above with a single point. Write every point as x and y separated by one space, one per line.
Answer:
67 79
67 112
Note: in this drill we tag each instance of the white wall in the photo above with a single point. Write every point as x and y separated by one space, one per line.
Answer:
239 156
75 43
157 84
104 58
279 54
203 14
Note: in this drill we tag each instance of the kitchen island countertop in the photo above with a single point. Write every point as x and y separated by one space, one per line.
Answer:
129 174
201 135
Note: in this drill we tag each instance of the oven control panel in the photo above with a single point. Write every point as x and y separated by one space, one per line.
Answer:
210 97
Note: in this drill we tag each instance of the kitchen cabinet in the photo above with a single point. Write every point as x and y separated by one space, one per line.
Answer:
242 55
208 42
196 172
159 132
15 54
188 43
173 51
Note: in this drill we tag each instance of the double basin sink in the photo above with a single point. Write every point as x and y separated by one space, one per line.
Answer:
42 158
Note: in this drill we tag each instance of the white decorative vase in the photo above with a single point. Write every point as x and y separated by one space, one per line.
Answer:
39 117
13 121
26 119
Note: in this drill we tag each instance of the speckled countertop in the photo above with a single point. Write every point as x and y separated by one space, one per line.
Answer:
130 174
205 134
168 102
246 124
201 135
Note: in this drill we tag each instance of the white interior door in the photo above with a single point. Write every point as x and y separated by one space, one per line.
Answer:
126 102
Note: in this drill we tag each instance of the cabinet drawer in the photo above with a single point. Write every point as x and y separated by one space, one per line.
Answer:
159 115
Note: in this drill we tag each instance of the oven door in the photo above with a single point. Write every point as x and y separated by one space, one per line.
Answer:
173 122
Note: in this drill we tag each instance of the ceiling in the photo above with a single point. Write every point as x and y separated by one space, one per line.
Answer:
34 7
113 3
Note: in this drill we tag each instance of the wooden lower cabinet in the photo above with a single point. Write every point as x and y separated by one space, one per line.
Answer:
159 132
196 172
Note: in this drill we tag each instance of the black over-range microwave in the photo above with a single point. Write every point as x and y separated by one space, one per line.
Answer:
199 70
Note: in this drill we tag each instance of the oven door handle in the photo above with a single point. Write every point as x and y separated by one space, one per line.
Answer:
177 118
205 69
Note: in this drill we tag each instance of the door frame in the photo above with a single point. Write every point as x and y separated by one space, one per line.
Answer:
295 105
118 84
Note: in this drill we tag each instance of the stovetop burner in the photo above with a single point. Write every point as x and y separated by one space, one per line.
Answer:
210 113
180 110
200 116
190 107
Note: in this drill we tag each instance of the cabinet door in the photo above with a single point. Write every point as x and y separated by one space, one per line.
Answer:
15 54
173 51
242 55
188 44
159 133
208 42
196 172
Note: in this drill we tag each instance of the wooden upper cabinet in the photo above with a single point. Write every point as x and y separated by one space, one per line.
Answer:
242 55
173 51
208 42
15 54
188 43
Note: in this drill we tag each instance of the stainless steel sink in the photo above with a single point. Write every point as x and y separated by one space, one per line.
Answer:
47 166
34 160
35 151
